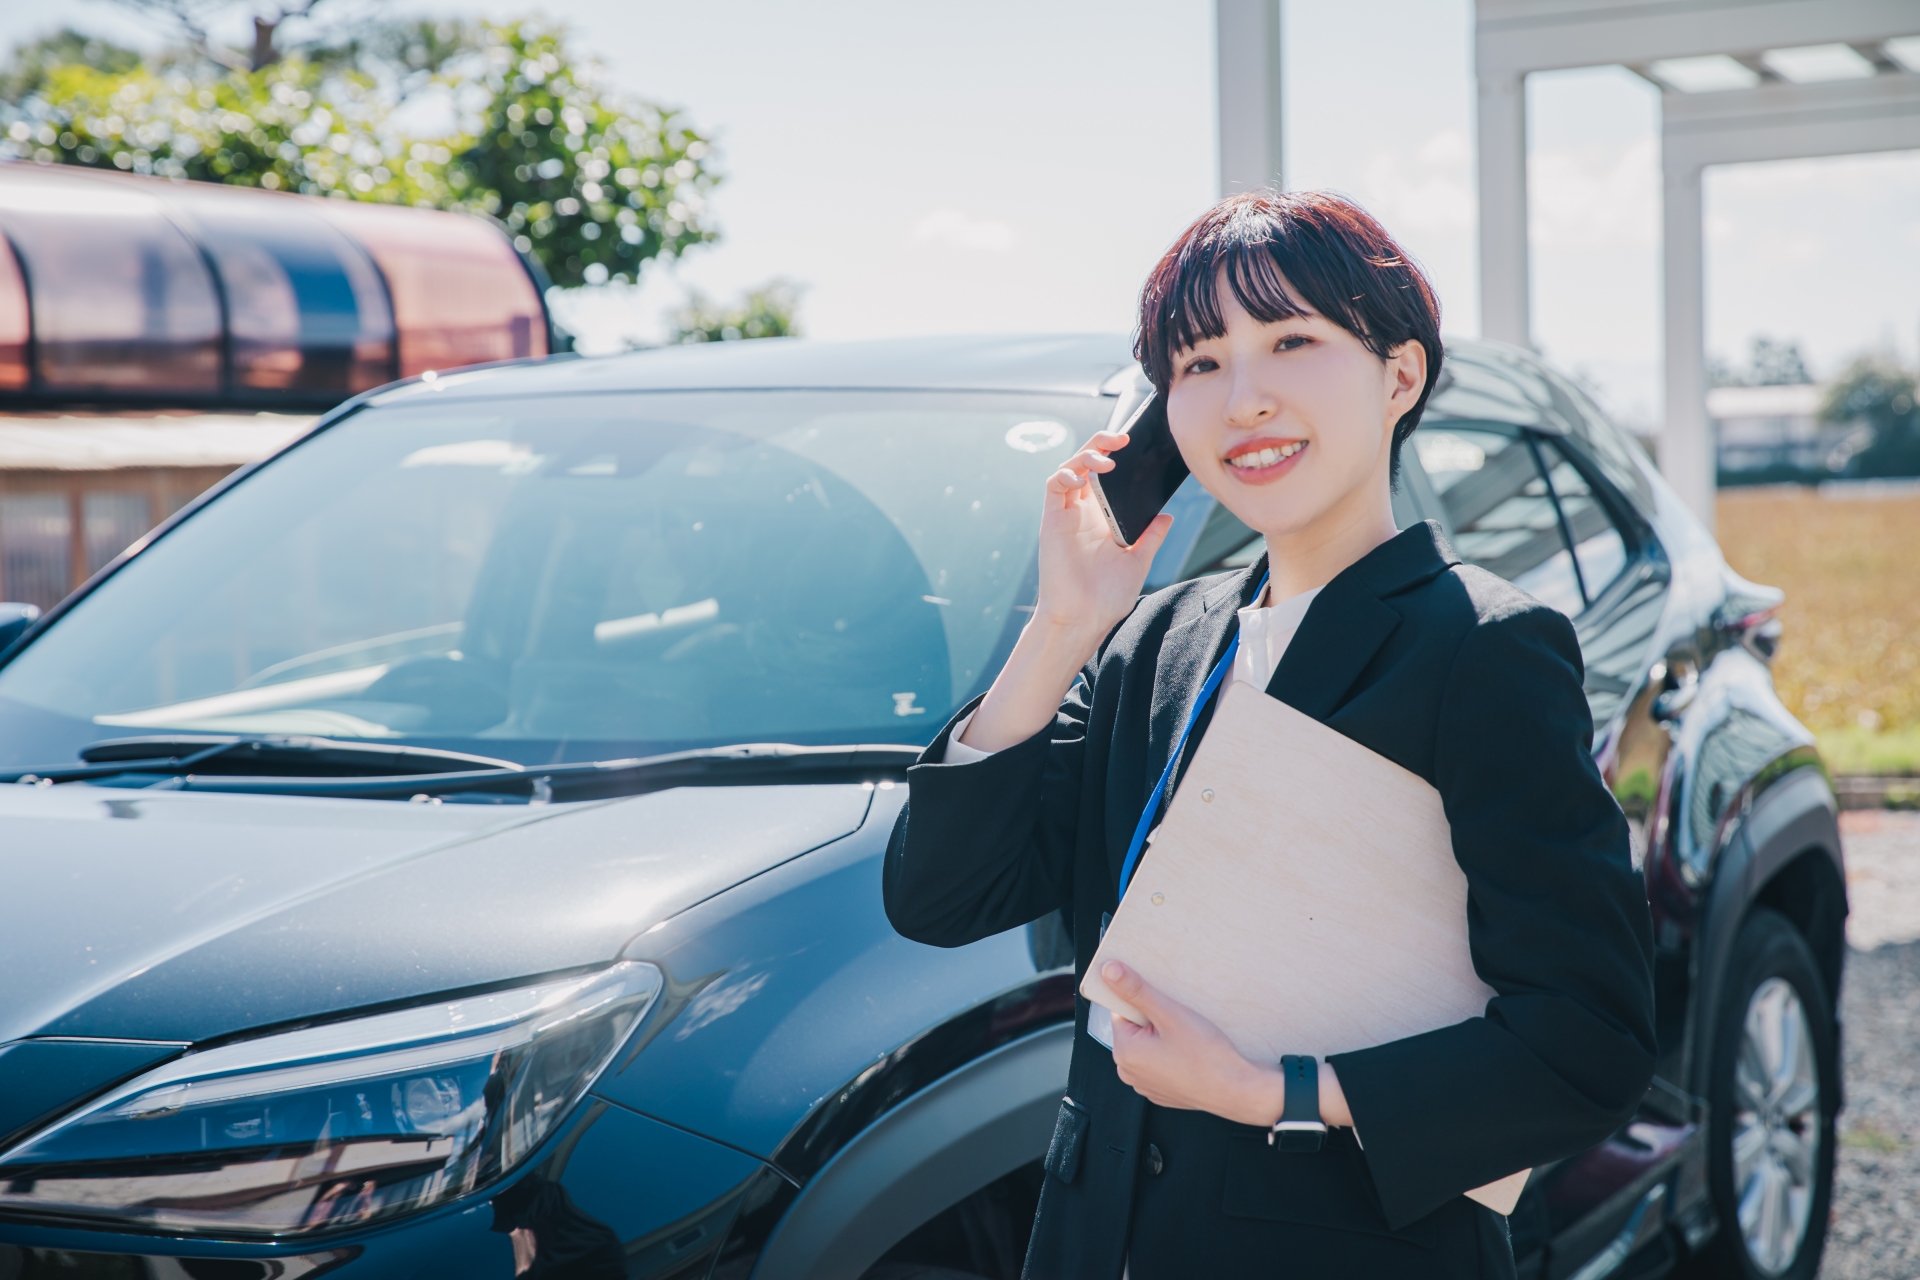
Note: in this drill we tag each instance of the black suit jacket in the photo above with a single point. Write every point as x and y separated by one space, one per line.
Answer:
1459 677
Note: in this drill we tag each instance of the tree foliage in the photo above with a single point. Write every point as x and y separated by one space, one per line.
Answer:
1770 363
1881 396
192 21
767 312
290 127
27 72
596 189
588 183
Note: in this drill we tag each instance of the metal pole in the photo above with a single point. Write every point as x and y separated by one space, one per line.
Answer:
1251 103
1687 456
1505 304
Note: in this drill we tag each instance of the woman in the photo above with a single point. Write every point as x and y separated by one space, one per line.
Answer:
1295 345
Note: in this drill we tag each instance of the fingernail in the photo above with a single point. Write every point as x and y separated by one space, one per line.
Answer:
1113 971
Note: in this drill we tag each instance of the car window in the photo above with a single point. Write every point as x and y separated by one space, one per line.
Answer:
1498 509
605 576
1618 456
1599 552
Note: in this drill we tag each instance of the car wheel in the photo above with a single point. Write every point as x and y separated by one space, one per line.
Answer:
1773 1092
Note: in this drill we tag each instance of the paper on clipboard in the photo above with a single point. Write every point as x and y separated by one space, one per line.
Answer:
1303 895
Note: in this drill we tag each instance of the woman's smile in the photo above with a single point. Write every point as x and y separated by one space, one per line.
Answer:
1263 459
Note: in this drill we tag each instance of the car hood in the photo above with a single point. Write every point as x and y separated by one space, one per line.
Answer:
176 916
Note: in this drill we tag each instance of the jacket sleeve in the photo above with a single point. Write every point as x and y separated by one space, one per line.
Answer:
1558 926
987 846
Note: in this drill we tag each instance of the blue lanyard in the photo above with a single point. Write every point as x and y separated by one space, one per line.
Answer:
1152 810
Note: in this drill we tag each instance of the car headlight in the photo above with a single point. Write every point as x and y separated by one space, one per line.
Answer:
336 1125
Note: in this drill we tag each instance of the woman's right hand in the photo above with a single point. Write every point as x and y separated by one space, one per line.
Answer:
1088 583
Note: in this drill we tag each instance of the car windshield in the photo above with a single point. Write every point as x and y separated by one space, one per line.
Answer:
576 579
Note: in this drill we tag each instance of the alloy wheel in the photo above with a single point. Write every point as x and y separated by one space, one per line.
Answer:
1776 1126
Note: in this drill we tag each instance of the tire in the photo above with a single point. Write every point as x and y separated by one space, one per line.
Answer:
1774 1092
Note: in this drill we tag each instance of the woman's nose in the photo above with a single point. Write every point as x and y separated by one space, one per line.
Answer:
1248 403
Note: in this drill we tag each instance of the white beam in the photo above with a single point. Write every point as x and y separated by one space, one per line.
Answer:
1687 453
1792 121
1544 35
1505 297
1247 53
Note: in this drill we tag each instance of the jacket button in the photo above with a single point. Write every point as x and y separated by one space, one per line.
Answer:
1155 1162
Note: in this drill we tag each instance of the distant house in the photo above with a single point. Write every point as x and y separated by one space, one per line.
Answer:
154 335
1771 430
76 491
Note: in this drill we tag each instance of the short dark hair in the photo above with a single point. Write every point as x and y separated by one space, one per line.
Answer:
1334 254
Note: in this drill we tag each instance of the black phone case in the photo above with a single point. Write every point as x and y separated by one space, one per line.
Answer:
1145 474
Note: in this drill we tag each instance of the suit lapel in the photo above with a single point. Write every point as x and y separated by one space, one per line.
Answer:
1349 620
1344 627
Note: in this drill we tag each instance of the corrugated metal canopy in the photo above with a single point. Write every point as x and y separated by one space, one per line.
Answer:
119 288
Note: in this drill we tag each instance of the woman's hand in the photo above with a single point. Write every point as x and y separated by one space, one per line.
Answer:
1088 582
1182 1061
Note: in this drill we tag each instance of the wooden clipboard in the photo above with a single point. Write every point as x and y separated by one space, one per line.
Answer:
1302 894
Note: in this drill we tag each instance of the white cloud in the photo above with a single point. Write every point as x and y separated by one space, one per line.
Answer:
957 230
1596 196
1429 191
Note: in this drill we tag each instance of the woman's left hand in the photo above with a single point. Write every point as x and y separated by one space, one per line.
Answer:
1183 1061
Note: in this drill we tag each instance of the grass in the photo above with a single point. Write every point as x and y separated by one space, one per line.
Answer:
1865 1135
1849 658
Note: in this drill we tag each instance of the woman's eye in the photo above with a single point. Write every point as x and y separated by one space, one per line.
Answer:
1292 342
1201 364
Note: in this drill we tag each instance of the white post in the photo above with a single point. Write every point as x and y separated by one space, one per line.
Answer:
1247 58
1687 455
1505 311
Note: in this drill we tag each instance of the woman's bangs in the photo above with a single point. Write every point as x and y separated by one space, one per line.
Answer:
1252 274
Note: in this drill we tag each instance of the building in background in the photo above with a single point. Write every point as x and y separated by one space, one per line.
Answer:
154 335
76 491
1762 429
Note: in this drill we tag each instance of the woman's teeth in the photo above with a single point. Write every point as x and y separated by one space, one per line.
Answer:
1266 457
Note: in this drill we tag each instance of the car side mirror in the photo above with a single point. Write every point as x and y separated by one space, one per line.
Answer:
14 621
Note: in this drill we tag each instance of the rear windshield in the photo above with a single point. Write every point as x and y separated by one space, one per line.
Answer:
577 579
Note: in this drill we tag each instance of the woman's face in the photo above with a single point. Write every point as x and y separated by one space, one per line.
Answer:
1290 423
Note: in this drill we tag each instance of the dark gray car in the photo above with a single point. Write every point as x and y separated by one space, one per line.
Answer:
452 846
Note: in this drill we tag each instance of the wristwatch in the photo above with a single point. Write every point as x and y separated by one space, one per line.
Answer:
1299 1127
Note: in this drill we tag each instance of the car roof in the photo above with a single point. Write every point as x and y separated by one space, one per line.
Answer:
1068 364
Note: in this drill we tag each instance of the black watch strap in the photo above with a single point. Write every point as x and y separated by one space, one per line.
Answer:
1299 1127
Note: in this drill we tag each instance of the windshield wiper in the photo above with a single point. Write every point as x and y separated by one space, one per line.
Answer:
277 755
745 764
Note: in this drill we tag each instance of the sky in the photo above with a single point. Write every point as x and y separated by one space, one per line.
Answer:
1018 165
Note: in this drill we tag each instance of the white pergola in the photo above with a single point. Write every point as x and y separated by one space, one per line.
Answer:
1774 56
1247 52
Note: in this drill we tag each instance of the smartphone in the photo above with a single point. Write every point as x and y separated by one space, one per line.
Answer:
1145 473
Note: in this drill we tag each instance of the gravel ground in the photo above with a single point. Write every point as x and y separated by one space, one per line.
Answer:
1876 1205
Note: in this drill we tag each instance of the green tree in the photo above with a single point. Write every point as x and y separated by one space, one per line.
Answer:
27 70
192 20
593 186
589 184
1880 395
290 127
771 311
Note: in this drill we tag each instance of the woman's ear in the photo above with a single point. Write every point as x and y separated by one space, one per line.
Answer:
1406 374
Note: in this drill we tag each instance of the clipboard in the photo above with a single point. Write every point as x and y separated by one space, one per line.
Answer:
1291 849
